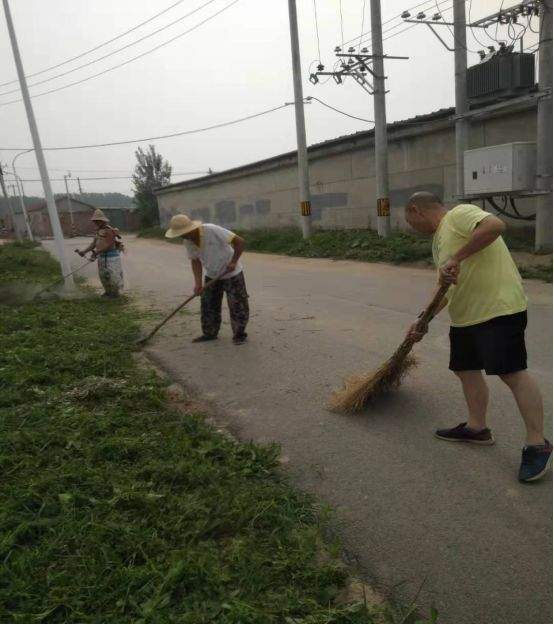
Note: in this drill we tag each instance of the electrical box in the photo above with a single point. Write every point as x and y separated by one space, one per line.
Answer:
498 169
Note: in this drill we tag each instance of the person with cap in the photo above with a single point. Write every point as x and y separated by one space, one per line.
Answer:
214 253
106 247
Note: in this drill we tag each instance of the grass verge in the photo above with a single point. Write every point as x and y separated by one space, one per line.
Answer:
362 245
28 262
117 508
538 272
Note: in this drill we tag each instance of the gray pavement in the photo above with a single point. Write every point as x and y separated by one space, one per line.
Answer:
411 509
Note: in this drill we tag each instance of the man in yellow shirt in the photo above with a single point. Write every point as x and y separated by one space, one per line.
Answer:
488 312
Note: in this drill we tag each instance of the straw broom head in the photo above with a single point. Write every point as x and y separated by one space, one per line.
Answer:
358 391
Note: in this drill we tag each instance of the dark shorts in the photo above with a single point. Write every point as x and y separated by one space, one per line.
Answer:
497 346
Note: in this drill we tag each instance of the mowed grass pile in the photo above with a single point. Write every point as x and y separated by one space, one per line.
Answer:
362 245
115 507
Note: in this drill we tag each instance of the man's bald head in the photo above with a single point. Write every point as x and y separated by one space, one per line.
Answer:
424 211
424 200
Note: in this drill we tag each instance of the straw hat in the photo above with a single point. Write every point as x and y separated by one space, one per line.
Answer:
98 215
181 224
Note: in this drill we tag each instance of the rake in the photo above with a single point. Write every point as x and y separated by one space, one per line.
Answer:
358 391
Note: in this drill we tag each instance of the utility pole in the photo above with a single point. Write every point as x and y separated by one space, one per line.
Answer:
303 171
69 204
543 226
52 212
380 113
80 187
9 203
21 193
462 107
12 188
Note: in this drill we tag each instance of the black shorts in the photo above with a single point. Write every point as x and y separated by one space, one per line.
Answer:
497 346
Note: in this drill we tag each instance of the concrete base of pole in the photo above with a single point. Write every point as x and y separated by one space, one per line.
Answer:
543 224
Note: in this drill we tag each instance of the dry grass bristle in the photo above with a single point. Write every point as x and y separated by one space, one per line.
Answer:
358 391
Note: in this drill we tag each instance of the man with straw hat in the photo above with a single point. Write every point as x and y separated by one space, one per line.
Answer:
215 252
106 246
488 313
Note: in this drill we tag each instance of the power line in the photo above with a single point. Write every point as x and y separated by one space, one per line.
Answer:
363 23
102 58
135 58
184 173
70 168
452 33
391 19
311 97
317 32
341 24
154 138
97 47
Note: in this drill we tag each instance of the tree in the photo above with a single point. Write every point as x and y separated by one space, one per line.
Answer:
151 172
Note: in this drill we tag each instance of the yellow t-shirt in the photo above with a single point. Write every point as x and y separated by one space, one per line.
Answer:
489 284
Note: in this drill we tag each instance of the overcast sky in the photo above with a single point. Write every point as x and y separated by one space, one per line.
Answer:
233 65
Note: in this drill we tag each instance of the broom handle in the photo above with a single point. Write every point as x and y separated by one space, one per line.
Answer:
427 315
432 308
181 305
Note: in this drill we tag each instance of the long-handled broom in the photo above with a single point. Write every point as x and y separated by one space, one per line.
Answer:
146 338
360 390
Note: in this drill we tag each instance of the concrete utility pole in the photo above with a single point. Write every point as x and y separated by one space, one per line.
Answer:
13 189
380 114
543 226
80 187
462 107
9 203
303 171
21 194
52 212
69 204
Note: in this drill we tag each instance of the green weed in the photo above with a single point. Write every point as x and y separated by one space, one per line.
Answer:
116 508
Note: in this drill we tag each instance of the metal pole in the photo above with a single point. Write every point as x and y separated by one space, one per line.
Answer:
303 171
70 205
80 187
543 227
380 113
52 212
460 69
9 203
21 194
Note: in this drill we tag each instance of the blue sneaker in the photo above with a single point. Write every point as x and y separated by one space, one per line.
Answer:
535 461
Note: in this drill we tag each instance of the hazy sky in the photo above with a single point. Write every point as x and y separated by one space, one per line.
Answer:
231 66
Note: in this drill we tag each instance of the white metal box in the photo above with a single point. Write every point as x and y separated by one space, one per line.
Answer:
506 168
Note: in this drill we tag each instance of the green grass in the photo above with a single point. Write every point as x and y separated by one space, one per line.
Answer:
538 272
26 261
362 245
117 508
157 232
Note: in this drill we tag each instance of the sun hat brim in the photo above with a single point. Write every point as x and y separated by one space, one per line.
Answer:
173 233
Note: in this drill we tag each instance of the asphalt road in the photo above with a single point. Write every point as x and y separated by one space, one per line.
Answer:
412 509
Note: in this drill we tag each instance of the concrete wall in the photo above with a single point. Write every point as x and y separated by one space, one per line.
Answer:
265 195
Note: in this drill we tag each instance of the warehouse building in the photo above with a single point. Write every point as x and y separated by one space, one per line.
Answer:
264 194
